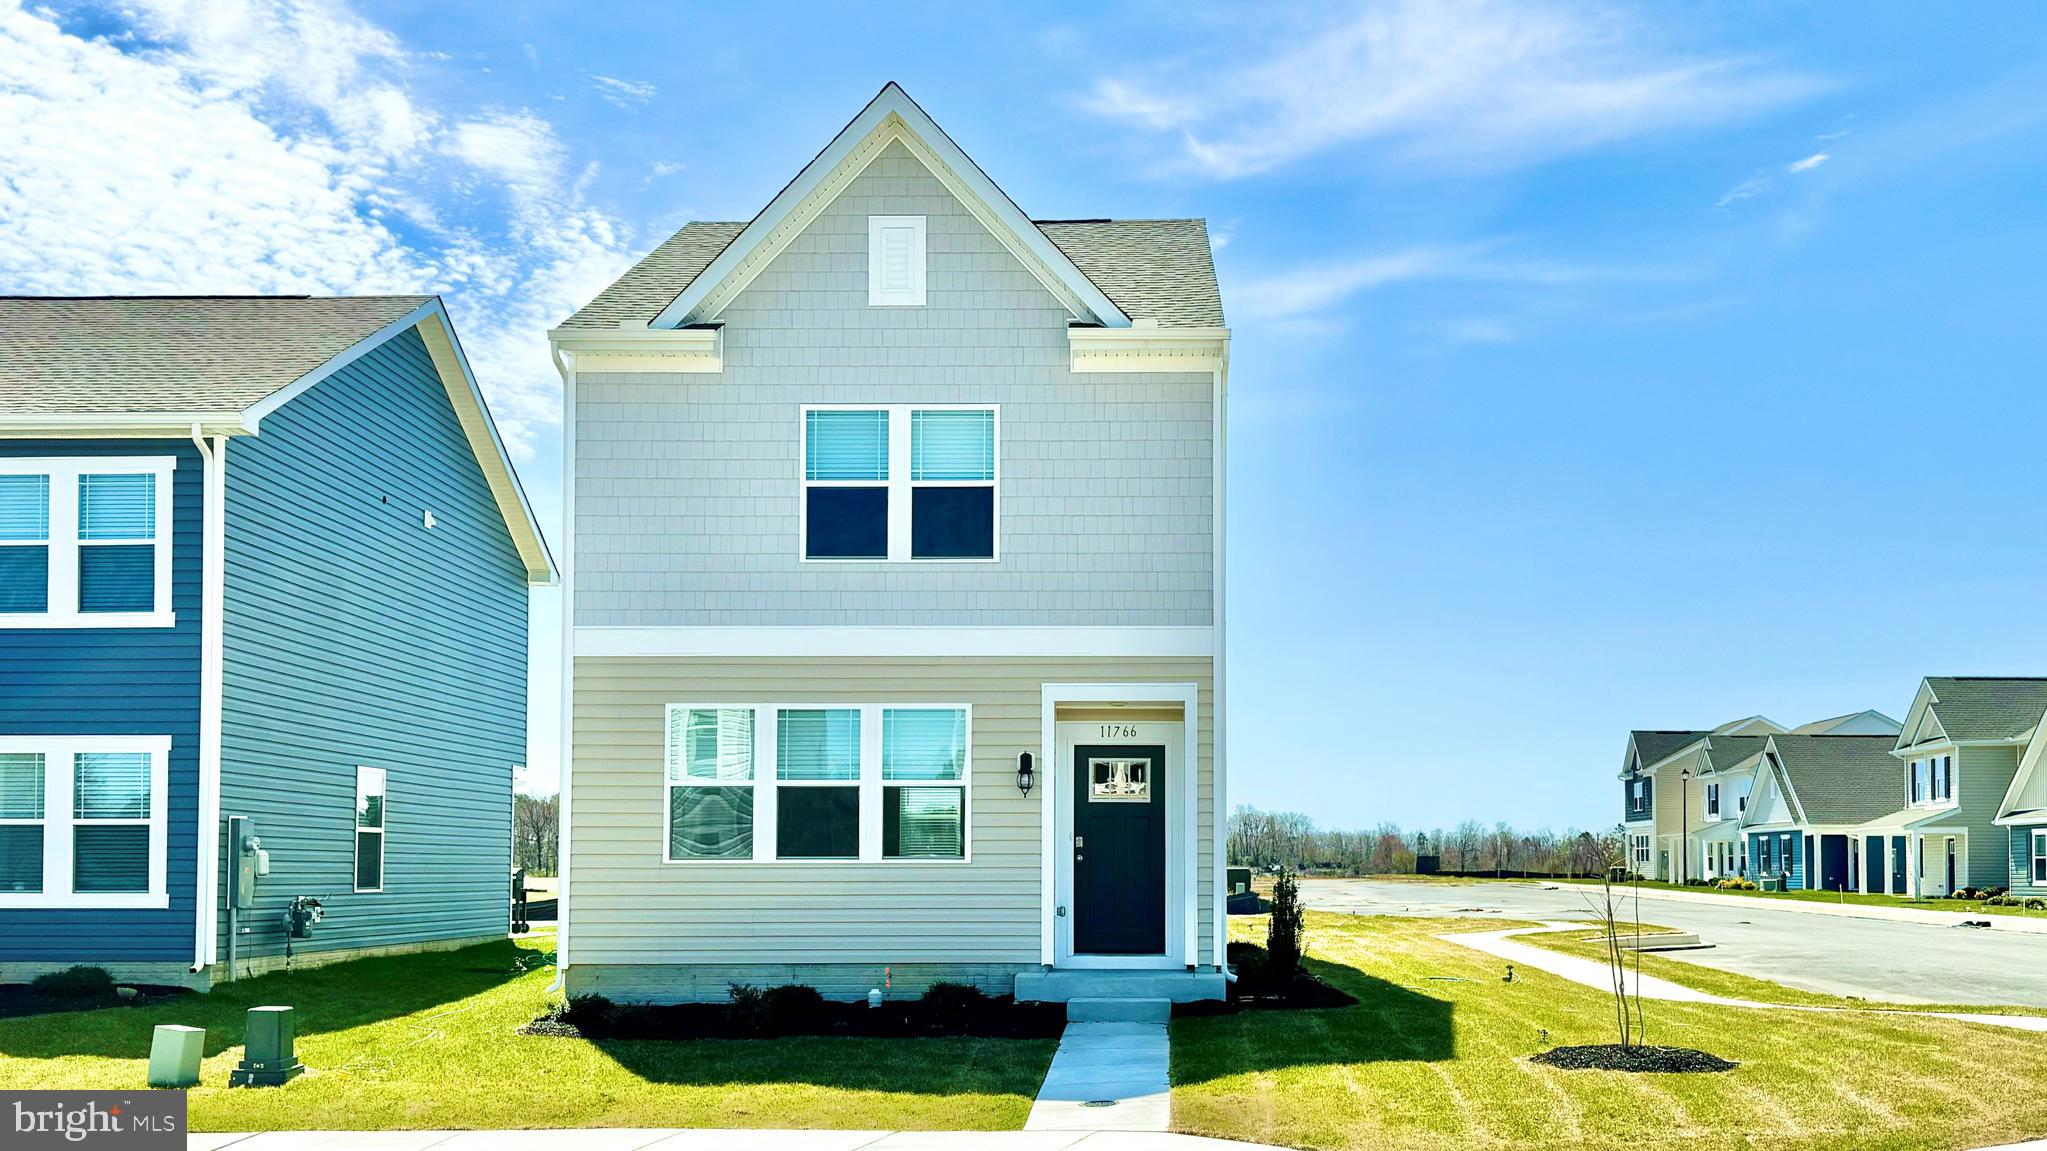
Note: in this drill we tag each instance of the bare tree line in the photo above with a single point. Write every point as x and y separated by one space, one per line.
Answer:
1292 839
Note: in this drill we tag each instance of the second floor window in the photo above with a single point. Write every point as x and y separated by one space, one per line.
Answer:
1713 801
899 483
85 542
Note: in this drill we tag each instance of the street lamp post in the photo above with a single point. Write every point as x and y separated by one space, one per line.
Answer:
1684 826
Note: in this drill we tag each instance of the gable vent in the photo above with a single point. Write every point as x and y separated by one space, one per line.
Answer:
895 261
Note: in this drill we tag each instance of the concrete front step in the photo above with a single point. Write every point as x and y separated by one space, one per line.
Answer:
1062 985
1118 1010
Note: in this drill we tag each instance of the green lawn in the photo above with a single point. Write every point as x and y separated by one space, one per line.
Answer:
1968 906
1434 1058
428 1041
1736 986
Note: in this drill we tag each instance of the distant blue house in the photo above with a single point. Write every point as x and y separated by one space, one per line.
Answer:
262 560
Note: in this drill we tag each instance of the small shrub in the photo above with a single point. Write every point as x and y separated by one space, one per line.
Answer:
2036 904
1735 883
1698 883
747 1007
954 1002
1249 962
74 983
792 1009
1284 935
592 1015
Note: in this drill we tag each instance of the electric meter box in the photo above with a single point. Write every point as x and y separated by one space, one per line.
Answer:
247 861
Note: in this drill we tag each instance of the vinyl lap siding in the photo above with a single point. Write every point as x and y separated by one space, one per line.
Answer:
1982 775
688 490
117 681
629 907
356 636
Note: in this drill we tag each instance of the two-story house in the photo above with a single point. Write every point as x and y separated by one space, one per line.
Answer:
896 596
1674 787
264 568
1811 797
1959 757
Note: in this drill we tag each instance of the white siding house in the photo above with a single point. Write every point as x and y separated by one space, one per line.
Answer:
875 502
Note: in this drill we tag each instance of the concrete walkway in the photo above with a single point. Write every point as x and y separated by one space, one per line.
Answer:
1107 1077
2023 924
1593 974
621 1139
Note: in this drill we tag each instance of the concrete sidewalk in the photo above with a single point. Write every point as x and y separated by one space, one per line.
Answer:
1596 975
2021 924
629 1139
1107 1077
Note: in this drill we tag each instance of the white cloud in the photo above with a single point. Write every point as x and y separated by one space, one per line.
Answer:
1807 164
272 147
624 93
1318 288
1470 83
1748 189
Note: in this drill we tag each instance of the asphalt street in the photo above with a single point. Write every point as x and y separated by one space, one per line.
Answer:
1873 959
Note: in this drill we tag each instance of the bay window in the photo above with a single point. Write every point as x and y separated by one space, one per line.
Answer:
899 482
867 783
85 542
82 821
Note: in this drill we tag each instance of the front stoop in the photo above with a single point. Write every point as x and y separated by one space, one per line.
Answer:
1118 1010
1063 985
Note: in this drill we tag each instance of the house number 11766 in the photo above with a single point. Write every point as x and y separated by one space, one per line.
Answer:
1119 731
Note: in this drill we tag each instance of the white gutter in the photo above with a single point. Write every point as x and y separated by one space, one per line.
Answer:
153 425
213 597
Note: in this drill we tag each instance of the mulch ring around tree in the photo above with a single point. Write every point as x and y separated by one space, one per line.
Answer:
1637 1057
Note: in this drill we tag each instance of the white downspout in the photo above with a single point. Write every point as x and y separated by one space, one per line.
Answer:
1220 912
568 667
213 596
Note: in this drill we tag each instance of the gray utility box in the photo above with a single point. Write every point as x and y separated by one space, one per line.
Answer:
268 1058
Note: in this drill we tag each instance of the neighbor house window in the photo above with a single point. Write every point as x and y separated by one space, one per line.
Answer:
895 261
899 483
1944 779
2040 857
710 783
1713 801
369 828
866 783
1917 785
82 821
85 542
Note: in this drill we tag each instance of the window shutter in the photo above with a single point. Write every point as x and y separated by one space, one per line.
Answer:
846 445
952 445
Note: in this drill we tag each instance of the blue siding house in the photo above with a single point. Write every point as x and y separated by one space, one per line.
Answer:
264 568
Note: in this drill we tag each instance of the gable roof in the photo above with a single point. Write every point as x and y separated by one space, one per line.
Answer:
1984 707
1750 725
1111 273
1872 722
173 354
1836 779
1725 752
172 366
1653 747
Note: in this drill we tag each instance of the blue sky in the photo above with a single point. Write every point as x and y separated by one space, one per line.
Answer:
1595 367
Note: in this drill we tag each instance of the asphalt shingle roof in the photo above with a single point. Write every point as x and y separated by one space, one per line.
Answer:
1152 269
1843 778
1654 746
143 354
1724 751
1983 707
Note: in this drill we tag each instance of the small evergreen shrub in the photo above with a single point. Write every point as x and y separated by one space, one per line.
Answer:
1248 961
74 983
954 1002
792 1009
592 1015
747 1007
1284 935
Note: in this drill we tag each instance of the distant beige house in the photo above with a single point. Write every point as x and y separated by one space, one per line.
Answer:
896 605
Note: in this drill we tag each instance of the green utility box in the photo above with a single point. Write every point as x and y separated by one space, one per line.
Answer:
267 1057
174 1053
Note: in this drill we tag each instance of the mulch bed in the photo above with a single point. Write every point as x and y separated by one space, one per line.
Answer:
1302 993
18 999
996 1018
1614 1057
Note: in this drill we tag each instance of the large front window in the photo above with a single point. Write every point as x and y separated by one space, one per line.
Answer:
85 542
900 482
2040 857
864 783
82 821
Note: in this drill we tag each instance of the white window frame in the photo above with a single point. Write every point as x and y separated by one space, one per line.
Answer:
899 484
879 296
64 544
2038 874
382 832
765 784
1712 803
59 754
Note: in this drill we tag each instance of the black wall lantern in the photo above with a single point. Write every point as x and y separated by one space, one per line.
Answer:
1026 773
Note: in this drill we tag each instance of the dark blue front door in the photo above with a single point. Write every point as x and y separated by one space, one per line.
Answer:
1119 850
1873 864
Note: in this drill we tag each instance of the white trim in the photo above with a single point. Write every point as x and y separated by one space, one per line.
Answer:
59 778
891 115
121 425
1182 859
910 295
63 543
901 484
1219 670
1145 347
641 349
566 761
252 416
766 720
382 831
212 648
1158 642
